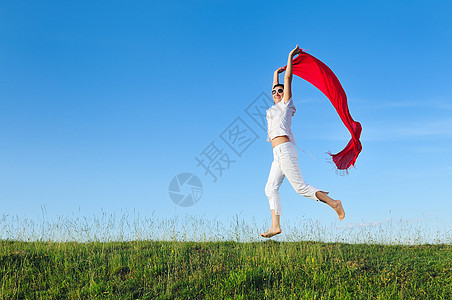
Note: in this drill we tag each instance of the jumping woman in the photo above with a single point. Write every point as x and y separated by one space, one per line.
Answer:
285 164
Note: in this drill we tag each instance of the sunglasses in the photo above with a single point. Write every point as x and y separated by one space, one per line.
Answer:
278 90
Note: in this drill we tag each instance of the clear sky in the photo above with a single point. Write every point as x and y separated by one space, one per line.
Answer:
103 103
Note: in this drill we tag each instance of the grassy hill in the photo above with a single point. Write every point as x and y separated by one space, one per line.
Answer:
217 270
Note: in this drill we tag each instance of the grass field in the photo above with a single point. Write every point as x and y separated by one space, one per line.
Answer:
101 268
218 270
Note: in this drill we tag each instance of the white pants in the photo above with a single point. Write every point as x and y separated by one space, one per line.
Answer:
285 164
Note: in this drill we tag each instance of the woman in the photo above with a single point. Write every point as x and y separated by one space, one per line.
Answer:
285 164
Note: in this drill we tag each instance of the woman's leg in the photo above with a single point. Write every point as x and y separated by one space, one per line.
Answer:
275 179
335 204
276 227
288 159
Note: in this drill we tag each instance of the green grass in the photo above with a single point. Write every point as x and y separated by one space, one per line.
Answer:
216 270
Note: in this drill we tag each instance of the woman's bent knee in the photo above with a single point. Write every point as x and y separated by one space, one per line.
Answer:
270 193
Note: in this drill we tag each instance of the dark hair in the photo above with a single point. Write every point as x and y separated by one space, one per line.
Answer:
279 84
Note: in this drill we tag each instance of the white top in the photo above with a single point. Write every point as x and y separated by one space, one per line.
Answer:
279 119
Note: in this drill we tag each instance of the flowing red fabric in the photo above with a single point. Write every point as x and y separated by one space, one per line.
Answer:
318 74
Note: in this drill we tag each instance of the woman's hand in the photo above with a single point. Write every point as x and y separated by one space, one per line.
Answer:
279 70
295 51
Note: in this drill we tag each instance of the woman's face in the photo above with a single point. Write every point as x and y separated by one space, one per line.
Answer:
279 95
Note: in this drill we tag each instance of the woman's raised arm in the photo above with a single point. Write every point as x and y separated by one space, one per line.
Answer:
288 75
276 76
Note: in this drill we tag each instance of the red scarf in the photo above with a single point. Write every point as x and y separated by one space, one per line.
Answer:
318 74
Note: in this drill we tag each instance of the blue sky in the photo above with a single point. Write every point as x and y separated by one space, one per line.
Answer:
102 104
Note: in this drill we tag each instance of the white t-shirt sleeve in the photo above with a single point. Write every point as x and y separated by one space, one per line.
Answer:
288 101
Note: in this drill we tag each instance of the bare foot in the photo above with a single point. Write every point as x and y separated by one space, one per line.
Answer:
271 232
340 210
